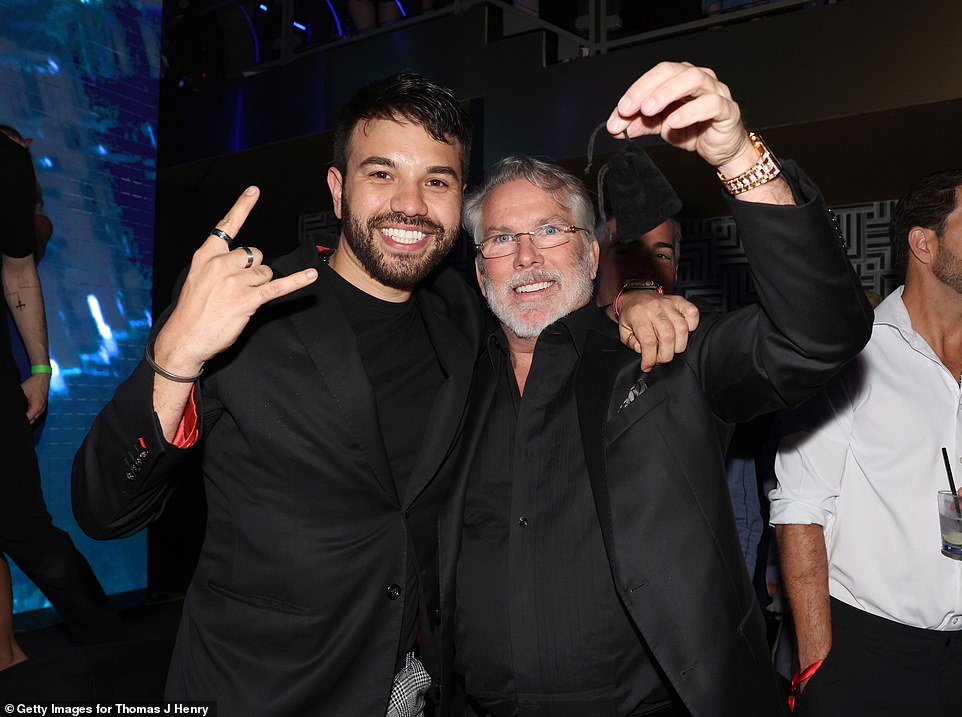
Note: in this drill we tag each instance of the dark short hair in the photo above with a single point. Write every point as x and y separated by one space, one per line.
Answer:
927 203
409 97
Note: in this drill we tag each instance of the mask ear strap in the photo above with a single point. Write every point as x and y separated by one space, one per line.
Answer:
591 146
601 193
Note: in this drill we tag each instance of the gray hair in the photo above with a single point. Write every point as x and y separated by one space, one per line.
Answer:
566 189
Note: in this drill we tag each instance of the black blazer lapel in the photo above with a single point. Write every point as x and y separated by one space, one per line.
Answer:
456 353
330 343
603 366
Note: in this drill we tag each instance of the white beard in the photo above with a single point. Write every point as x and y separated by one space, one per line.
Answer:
527 322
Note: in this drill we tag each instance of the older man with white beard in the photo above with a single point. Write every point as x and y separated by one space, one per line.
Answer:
597 568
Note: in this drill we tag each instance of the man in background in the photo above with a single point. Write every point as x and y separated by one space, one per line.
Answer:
640 237
876 605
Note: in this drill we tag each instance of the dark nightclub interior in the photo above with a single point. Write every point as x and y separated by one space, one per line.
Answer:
149 117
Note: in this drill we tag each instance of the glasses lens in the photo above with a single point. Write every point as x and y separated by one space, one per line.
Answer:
498 245
551 235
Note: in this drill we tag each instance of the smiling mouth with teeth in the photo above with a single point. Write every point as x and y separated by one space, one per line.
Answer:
528 288
403 236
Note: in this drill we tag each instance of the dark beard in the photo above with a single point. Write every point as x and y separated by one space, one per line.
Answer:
947 268
396 271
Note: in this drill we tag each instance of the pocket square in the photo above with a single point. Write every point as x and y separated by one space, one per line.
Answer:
638 388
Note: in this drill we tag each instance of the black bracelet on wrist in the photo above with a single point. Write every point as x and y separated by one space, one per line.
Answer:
149 358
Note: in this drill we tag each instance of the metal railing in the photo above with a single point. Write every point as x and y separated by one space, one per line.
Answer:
597 38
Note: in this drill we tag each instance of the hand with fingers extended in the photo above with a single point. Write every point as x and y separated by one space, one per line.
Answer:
654 325
222 291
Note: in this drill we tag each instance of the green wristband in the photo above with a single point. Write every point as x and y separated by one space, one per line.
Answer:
41 368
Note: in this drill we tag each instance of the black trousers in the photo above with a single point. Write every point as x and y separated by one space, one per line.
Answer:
880 668
45 553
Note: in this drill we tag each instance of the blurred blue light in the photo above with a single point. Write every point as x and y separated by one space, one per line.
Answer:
57 384
109 346
299 26
337 20
250 24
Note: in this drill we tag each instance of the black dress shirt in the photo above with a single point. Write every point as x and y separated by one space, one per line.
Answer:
540 627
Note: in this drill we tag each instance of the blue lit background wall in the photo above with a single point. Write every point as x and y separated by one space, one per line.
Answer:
81 78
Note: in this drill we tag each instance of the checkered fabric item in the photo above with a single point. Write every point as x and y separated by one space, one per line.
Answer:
410 686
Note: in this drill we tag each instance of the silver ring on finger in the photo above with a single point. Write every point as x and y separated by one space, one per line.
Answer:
222 234
250 257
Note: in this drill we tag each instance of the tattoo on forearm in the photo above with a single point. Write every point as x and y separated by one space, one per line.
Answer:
19 306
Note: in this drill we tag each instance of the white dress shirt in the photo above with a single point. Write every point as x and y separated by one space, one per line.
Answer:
863 459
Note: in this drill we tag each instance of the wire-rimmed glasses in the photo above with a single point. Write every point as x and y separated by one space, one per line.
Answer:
544 237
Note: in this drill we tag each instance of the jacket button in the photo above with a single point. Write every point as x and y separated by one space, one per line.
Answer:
393 591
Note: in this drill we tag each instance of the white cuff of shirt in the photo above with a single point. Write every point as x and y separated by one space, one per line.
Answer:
792 512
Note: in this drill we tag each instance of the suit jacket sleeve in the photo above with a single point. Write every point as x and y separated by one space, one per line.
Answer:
812 315
125 470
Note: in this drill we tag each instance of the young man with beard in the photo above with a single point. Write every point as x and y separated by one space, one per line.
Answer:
875 602
598 571
327 420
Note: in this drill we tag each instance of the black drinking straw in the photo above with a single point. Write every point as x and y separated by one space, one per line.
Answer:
948 472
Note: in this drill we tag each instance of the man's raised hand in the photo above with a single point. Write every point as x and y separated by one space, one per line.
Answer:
690 109
223 289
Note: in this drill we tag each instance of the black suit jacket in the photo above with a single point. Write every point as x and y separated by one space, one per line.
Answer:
294 606
657 467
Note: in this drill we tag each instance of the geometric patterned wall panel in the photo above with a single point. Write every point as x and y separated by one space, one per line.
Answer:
713 266
866 230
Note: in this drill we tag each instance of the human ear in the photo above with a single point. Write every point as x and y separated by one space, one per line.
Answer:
335 182
921 241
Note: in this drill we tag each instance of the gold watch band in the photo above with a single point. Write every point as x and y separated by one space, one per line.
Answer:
764 170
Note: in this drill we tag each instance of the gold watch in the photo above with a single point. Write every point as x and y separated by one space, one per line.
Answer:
764 170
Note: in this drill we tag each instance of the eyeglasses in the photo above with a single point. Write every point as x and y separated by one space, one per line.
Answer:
543 237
